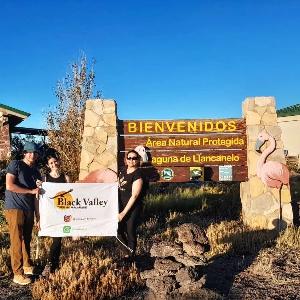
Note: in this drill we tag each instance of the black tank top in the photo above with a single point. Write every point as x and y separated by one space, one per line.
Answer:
125 186
60 179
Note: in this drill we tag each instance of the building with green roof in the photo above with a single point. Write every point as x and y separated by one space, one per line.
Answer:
10 117
293 110
288 119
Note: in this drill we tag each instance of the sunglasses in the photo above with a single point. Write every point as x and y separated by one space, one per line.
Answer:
132 158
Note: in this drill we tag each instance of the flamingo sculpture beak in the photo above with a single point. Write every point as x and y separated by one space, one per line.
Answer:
258 145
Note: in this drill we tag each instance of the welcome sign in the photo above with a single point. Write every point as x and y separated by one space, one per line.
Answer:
178 149
78 209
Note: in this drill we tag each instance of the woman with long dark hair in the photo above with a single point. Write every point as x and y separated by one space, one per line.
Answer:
54 175
130 202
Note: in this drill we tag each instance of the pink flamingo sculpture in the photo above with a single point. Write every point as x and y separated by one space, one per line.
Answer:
101 176
272 173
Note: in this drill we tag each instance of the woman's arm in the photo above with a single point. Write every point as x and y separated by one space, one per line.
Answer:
136 189
68 180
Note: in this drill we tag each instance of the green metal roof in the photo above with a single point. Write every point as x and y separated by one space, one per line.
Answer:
18 111
292 110
29 131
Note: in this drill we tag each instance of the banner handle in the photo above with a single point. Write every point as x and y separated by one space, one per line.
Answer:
128 248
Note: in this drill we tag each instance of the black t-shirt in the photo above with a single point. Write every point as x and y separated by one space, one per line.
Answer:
26 177
60 179
125 186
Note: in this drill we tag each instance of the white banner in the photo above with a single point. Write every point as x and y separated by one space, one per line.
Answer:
79 209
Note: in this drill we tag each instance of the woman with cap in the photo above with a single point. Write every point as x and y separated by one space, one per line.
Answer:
21 192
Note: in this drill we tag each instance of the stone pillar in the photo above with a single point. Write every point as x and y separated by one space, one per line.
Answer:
4 138
260 204
99 142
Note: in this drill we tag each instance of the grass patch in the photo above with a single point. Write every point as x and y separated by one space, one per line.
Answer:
217 200
233 237
87 269
86 272
289 239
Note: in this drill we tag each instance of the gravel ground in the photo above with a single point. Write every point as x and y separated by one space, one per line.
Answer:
275 274
12 291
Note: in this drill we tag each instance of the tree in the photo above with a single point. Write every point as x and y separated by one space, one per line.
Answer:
65 123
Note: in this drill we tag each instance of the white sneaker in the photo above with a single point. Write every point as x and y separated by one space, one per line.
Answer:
21 280
29 270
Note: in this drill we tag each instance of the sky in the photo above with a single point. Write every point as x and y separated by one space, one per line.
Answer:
159 59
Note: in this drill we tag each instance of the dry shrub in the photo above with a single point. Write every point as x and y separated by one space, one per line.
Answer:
87 271
4 251
173 218
235 237
289 239
169 235
87 274
216 234
144 246
150 226
263 264
4 261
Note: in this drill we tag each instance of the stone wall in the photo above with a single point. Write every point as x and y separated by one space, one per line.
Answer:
260 204
99 143
4 138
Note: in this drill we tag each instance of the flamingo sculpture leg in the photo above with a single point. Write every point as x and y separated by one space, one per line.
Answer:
272 173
